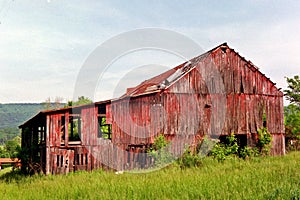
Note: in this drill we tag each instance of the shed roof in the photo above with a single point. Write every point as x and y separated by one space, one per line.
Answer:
59 110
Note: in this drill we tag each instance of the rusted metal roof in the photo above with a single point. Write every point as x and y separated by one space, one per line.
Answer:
166 79
152 85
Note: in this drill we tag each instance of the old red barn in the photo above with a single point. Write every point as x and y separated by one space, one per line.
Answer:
214 94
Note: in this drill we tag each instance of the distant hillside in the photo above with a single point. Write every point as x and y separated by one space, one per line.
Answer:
12 115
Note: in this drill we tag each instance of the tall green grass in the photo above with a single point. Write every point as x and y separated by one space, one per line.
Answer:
258 178
5 170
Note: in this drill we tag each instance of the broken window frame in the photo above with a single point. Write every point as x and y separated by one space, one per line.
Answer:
104 129
74 128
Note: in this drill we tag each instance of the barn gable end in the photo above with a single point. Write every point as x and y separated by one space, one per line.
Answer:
193 96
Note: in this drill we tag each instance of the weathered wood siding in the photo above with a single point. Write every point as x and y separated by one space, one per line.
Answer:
136 120
223 86
89 125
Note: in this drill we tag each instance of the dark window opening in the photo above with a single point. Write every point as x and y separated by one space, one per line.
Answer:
57 160
102 109
74 129
223 139
241 139
77 159
241 86
104 129
61 161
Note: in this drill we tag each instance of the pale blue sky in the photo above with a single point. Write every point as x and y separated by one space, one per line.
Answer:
44 43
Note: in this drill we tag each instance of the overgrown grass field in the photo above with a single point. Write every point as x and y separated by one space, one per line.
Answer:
257 178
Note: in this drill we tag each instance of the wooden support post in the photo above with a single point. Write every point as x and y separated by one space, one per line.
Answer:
48 129
66 124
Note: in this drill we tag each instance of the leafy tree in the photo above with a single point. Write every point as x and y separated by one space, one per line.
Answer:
293 92
3 152
12 146
292 120
8 134
292 113
81 101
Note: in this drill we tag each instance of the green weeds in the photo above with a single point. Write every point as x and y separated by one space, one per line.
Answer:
257 178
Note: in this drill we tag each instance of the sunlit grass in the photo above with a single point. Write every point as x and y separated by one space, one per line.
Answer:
5 170
259 178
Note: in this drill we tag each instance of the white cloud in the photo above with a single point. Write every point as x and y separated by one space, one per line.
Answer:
43 44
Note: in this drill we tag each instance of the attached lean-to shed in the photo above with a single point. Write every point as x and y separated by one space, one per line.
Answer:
213 95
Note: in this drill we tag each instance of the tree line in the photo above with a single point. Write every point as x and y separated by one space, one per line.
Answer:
292 113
